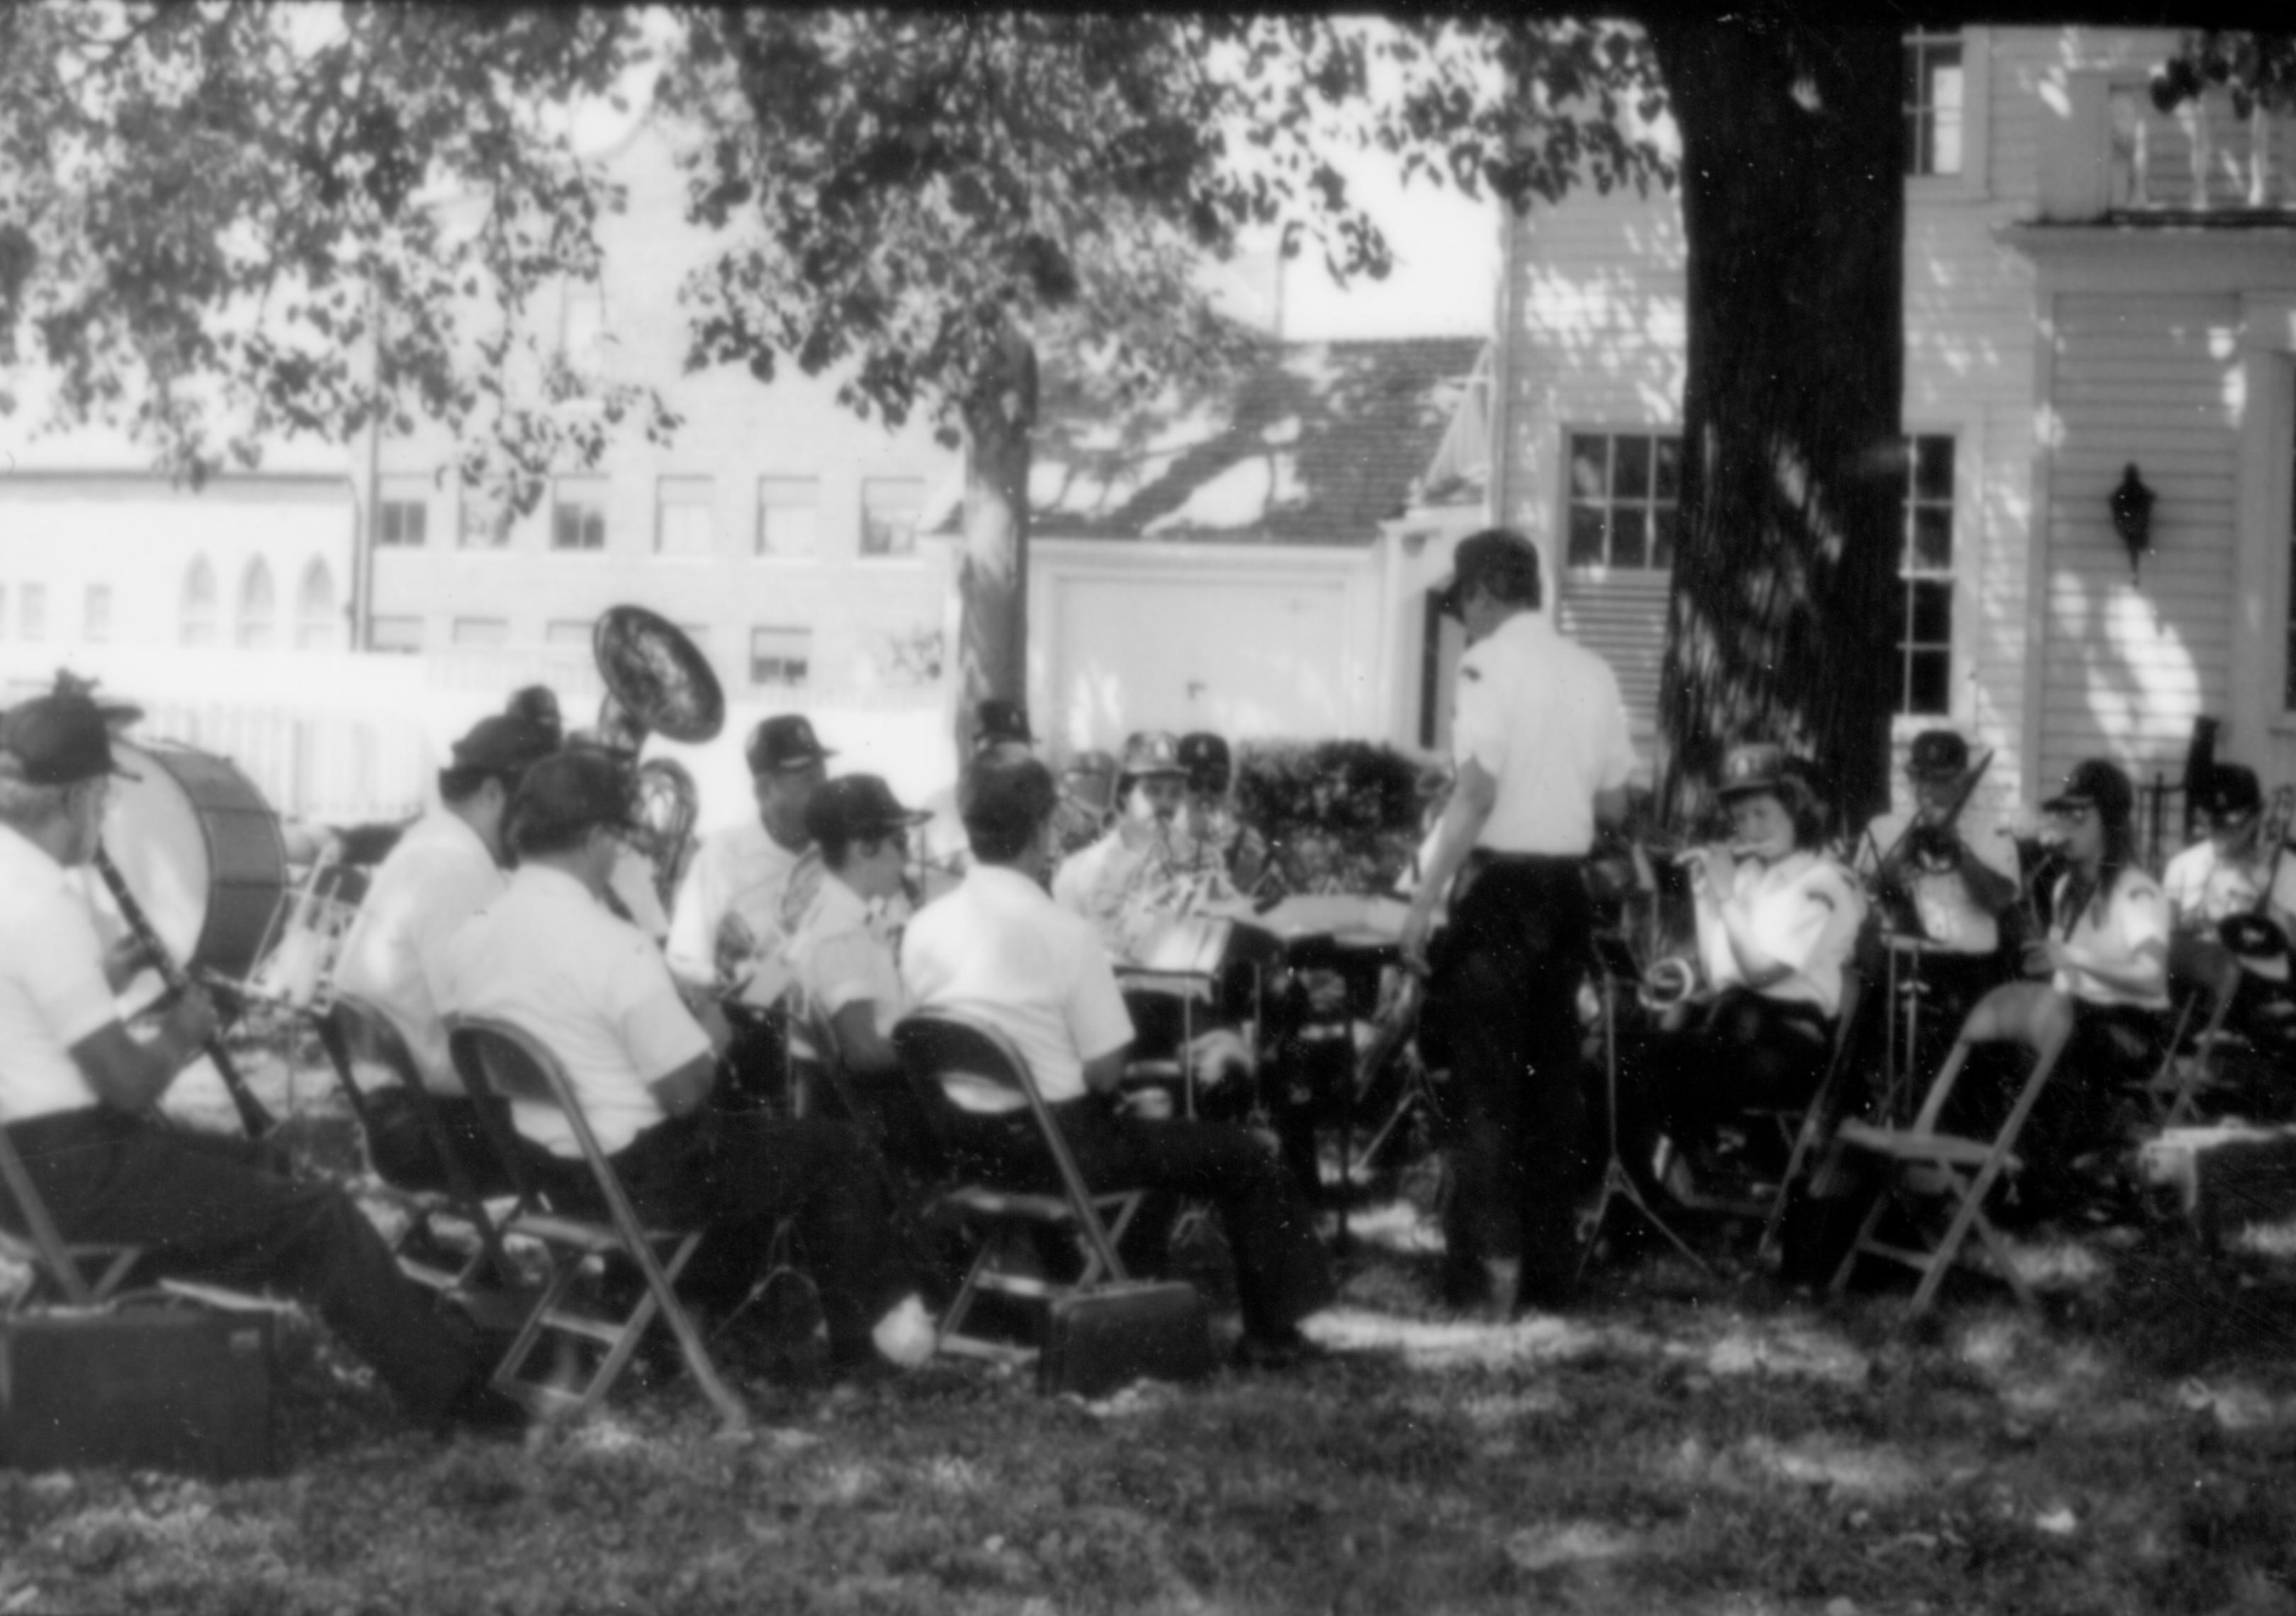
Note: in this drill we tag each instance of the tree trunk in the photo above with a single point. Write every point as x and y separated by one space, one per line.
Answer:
992 581
1785 600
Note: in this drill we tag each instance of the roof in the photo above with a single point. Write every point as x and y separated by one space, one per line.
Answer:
1312 443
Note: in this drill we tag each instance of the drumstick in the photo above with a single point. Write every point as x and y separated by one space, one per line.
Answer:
252 1116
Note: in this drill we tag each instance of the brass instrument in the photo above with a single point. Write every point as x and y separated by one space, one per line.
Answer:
659 683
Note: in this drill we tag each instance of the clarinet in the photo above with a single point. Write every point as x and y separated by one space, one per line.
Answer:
252 1116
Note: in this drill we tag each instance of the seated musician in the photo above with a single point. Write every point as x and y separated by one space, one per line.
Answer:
1087 806
2106 948
997 949
1954 883
1209 836
1777 920
843 953
2229 871
446 868
1000 728
743 891
79 1096
549 956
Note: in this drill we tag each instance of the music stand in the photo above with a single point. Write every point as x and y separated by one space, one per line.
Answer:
1614 962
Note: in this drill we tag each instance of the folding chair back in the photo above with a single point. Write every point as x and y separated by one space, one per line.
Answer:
1922 1165
943 1042
1815 1124
2203 977
54 1261
497 1058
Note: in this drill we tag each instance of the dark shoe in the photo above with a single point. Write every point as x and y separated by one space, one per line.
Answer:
480 1410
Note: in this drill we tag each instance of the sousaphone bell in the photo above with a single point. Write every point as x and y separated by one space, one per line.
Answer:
658 682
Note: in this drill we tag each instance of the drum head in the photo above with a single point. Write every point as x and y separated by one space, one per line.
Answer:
201 851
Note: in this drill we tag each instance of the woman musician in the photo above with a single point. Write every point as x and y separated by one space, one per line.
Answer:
1777 920
2105 948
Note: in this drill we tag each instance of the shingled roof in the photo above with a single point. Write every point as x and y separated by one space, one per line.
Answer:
1315 443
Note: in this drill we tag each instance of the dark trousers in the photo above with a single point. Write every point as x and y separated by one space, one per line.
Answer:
408 1154
206 1212
1741 1052
1283 1273
2080 1109
1505 986
741 1173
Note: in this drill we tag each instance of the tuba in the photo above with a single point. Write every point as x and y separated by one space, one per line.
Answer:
658 682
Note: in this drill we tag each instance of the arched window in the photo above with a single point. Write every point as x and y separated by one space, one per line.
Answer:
255 607
316 626
199 609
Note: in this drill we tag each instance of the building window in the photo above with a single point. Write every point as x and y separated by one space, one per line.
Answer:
1924 629
255 607
315 622
683 514
484 523
577 513
1933 103
403 634
890 508
199 608
95 616
779 657
566 631
402 512
1625 494
789 510
478 633
32 624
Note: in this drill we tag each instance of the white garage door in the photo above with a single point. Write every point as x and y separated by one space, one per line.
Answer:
1243 659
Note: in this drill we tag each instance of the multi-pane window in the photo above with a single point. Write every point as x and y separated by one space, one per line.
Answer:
314 609
402 512
1625 490
32 619
96 615
577 513
789 511
472 632
199 609
1934 107
683 516
1924 625
255 607
485 523
891 510
566 631
780 656
399 633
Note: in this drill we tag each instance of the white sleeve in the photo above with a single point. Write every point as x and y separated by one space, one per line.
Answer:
1098 1022
1479 719
693 946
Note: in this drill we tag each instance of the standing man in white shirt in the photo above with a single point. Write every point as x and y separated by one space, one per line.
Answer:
745 893
444 870
1539 737
80 1098
551 958
999 949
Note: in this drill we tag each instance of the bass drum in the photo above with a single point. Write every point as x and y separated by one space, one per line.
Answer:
201 850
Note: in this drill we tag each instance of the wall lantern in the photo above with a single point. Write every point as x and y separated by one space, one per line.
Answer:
2132 517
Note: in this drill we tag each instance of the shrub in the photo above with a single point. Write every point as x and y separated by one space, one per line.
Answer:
1339 815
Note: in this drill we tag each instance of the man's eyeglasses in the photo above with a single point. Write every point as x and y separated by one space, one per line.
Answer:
2073 813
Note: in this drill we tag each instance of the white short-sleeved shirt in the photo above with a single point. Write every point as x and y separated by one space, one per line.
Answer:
1543 717
1000 949
843 954
2201 883
742 870
1803 912
432 883
2136 914
549 958
52 994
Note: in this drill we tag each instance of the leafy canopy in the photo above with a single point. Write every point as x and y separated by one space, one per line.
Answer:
226 224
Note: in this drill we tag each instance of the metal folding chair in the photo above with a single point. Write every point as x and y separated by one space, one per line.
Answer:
1813 1124
355 1030
2203 977
945 1042
495 1058
1923 1167
81 1274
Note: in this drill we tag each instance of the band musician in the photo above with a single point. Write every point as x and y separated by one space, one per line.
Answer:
743 895
1539 735
1210 838
447 866
1000 729
2229 870
79 1096
1777 923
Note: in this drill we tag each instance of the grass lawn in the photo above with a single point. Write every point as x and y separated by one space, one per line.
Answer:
1675 1443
